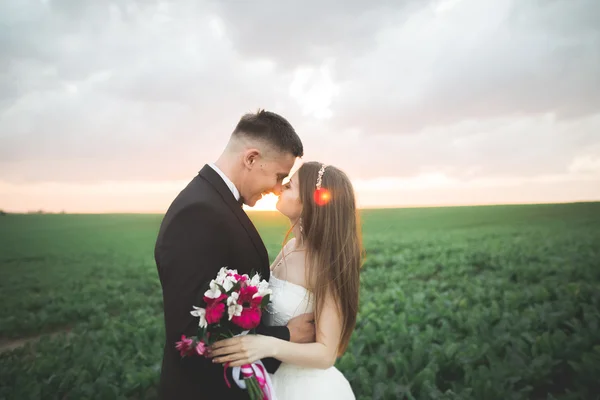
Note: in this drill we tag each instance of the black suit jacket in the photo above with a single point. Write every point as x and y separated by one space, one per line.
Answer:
204 229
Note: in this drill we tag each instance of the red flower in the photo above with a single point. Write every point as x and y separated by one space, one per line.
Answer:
246 294
214 312
249 319
184 345
256 301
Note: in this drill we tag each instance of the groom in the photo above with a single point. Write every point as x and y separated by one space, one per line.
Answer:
204 229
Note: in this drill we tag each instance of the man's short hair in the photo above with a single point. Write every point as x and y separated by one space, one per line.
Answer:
271 128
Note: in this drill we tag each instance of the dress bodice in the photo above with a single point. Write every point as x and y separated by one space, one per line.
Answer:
288 300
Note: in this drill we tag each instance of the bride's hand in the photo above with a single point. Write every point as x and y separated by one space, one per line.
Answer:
242 350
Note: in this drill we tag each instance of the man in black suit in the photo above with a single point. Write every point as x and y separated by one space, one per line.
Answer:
204 229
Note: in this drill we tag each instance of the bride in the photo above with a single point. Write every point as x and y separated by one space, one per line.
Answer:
316 271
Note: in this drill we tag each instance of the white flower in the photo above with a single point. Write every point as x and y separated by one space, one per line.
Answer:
263 289
228 283
221 275
233 298
214 291
255 280
201 313
234 310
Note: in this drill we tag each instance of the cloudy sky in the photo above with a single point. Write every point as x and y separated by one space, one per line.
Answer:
115 106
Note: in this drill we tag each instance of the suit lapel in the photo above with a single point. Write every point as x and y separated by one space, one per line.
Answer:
217 182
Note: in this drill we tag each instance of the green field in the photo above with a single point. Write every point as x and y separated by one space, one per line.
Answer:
499 302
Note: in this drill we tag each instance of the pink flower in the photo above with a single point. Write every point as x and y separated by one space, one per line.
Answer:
235 275
214 312
184 345
246 294
256 301
200 348
249 319
237 278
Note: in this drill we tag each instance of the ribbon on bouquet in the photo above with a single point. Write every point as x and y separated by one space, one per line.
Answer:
256 369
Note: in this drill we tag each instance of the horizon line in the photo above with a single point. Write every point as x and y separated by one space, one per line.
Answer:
250 210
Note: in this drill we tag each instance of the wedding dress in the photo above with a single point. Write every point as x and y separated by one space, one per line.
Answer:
292 382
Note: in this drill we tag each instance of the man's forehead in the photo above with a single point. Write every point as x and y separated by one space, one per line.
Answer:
284 163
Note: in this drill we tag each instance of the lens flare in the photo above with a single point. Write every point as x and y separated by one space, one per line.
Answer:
322 196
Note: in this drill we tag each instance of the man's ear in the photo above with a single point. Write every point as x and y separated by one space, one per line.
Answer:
251 157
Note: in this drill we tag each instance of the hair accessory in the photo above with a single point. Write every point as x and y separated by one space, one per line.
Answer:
321 195
320 176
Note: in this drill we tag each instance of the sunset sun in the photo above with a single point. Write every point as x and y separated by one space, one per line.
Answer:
267 203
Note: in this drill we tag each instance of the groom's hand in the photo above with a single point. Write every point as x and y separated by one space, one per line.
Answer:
302 328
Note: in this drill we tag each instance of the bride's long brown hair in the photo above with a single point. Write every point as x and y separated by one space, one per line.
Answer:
332 237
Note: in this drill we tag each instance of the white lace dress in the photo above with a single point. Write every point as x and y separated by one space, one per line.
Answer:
298 383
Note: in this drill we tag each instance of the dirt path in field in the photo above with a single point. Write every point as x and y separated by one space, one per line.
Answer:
7 345
10 345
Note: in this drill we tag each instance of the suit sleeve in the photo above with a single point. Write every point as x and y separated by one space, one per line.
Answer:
280 332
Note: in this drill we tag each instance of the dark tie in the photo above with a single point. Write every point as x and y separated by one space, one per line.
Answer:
241 201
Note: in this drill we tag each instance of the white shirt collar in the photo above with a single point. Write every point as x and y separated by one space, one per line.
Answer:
228 182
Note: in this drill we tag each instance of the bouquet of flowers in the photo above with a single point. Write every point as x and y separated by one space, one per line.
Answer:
233 306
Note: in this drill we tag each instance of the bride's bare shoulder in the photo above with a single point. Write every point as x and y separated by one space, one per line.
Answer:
294 269
289 246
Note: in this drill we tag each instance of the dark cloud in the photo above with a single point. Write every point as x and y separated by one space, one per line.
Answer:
479 60
120 92
151 90
307 32
403 66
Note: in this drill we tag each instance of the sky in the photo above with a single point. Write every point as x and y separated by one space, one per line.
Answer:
115 106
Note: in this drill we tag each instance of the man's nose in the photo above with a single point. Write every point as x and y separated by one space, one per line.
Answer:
277 189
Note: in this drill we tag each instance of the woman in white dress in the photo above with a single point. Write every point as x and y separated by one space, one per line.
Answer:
317 271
